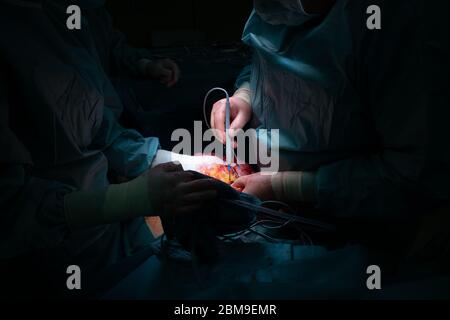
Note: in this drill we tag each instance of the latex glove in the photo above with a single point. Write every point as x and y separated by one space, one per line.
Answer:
240 115
174 191
290 187
163 190
164 70
188 162
257 185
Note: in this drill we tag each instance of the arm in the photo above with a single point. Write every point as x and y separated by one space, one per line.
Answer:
126 59
410 169
405 91
31 209
136 61
129 154
243 85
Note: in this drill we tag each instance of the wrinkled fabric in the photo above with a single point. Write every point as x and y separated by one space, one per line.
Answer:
361 107
59 133
117 57
282 12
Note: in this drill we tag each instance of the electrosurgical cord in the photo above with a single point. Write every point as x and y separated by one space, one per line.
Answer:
275 222
280 203
282 215
228 147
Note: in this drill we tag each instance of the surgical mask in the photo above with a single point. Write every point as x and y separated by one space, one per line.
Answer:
282 12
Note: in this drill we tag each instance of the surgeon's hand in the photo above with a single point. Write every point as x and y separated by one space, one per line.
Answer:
257 185
175 191
240 115
164 70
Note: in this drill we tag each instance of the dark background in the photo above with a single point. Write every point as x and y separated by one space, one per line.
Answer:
150 23
203 37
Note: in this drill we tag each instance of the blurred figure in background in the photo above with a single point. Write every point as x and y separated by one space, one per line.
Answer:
117 57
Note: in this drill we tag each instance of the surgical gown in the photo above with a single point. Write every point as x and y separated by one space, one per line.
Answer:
366 109
117 57
59 133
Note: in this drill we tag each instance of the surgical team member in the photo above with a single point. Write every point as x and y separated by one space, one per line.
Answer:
116 56
59 137
363 113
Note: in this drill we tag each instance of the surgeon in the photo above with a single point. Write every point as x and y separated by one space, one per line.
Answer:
360 110
59 139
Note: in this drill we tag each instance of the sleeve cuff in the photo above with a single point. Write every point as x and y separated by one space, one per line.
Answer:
295 186
244 92
142 65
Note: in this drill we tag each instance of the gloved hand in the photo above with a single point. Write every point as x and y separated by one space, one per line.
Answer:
174 191
164 70
198 232
257 185
163 190
290 187
240 115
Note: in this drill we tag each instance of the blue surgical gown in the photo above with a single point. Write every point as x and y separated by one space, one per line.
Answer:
366 109
60 133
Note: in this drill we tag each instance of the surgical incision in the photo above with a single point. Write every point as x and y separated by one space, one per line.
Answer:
222 173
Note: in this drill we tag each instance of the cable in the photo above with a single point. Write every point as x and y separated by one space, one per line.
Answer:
304 238
279 226
285 205
231 156
246 230
206 99
282 215
304 234
267 237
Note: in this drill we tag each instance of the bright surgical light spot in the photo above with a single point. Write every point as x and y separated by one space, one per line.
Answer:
220 172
